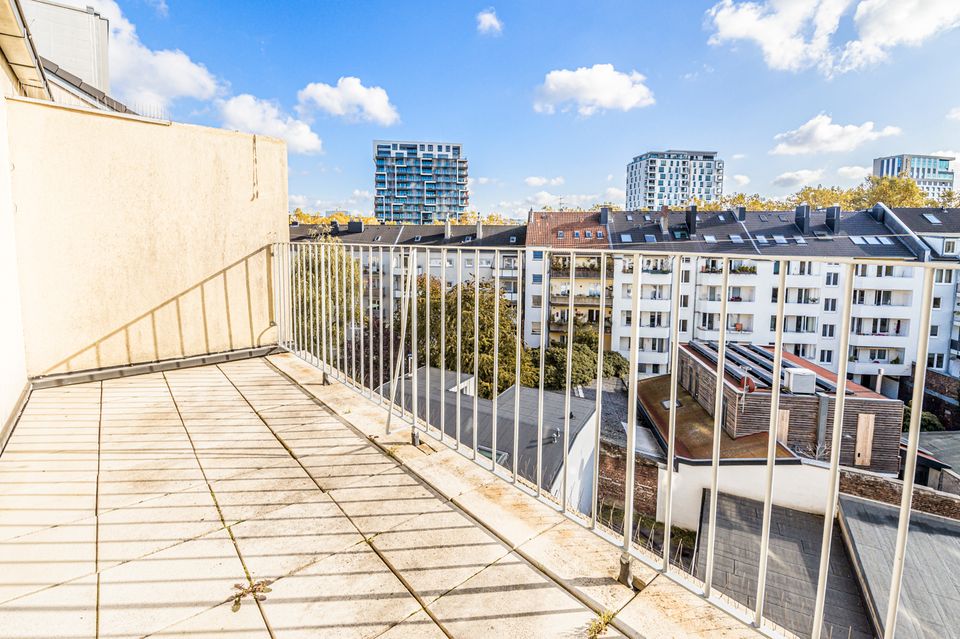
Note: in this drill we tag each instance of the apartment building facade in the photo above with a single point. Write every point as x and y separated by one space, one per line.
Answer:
673 178
932 173
419 182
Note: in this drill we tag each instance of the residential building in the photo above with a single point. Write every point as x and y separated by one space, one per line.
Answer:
76 39
673 178
419 182
932 173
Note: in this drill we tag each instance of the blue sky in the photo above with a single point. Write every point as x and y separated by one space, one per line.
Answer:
554 98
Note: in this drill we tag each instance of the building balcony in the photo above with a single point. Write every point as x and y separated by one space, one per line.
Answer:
890 311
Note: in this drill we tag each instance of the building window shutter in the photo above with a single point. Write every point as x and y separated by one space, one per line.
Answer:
864 439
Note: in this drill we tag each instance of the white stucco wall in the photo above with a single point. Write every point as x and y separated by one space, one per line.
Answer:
801 487
140 240
580 461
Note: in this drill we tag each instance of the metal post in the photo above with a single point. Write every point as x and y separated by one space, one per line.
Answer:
913 442
544 338
315 300
595 490
672 422
414 343
343 301
353 317
393 295
382 351
443 342
830 510
717 425
567 378
459 314
771 446
404 307
631 450
516 374
426 341
476 347
496 357
370 314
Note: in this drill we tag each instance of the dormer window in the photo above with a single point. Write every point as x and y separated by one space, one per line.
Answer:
417 238
513 239
559 235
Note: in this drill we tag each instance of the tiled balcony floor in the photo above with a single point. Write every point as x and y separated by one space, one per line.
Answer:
131 507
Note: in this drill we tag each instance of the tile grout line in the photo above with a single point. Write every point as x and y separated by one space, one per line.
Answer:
368 540
216 504
96 512
582 599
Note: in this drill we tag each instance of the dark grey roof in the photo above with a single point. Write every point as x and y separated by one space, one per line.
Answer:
374 234
930 594
724 224
89 90
916 222
552 450
944 445
792 568
464 235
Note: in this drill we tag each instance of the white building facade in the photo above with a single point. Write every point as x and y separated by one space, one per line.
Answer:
673 178
932 173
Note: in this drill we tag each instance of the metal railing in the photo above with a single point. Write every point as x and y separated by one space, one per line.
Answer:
413 320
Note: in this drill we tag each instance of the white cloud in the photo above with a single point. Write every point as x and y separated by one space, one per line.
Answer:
947 153
536 180
297 201
615 195
160 6
359 202
854 172
350 100
248 113
144 78
741 180
592 89
821 135
474 181
609 177
738 156
488 23
954 114
802 177
795 35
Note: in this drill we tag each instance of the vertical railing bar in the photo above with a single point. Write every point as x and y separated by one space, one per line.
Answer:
381 352
298 288
358 264
404 307
443 342
672 422
272 257
830 509
414 343
402 352
426 340
631 450
459 315
544 338
315 299
353 316
370 315
343 278
567 379
324 261
335 298
913 442
496 357
278 290
594 491
516 374
717 425
476 347
771 445
393 295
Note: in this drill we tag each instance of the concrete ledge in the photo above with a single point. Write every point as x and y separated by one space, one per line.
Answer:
567 551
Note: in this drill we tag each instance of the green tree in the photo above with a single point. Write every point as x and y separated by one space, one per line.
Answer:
928 421
820 197
894 191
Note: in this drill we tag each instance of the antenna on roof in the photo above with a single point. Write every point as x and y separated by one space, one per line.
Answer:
561 203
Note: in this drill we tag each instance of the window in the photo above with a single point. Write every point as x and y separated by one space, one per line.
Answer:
576 234
934 331
762 239
830 304
773 322
799 239
468 262
626 238
417 238
943 276
856 239
833 279
559 235
537 301
537 278
937 302
933 219
710 239
826 357
736 239
683 326
684 301
599 235
650 238
538 255
828 330
535 328
935 360
685 276
779 239
588 234
949 246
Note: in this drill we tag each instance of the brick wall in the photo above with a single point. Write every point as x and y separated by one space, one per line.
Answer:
612 480
889 491
945 386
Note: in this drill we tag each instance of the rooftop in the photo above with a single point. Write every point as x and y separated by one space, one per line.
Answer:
133 505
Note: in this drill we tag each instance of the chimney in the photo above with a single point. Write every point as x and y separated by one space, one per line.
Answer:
447 231
878 213
479 229
355 226
692 220
334 226
833 219
742 213
604 214
802 219
665 220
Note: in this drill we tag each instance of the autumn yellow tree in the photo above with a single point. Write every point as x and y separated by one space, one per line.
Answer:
894 191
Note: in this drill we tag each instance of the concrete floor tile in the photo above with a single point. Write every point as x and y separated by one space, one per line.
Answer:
516 516
47 557
347 465
350 594
282 541
451 472
249 495
146 595
68 611
221 623
511 599
437 551
416 626
380 502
